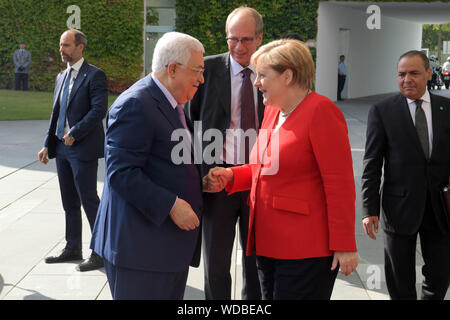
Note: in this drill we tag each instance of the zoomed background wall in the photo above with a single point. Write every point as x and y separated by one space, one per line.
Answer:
113 29
372 54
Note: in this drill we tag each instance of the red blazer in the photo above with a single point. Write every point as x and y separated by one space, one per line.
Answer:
302 198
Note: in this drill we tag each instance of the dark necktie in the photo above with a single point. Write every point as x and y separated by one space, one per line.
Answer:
63 107
182 118
247 108
422 128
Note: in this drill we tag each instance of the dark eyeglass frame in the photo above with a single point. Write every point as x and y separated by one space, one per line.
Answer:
243 40
199 71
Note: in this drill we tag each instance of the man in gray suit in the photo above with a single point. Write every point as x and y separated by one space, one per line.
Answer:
22 60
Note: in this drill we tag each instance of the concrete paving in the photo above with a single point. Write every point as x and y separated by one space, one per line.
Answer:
32 226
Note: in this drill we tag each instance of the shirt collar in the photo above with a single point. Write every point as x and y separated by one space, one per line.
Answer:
76 66
425 98
236 68
166 92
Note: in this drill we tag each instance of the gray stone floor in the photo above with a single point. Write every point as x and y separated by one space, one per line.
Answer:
32 226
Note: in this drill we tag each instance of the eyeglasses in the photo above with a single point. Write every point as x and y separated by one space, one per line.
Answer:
197 70
245 40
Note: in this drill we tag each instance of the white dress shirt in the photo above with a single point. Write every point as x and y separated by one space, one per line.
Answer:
426 106
232 144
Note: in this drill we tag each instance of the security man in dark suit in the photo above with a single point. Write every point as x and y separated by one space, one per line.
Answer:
22 60
408 135
228 100
76 139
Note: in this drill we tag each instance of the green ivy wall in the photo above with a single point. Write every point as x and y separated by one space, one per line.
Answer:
113 28
205 19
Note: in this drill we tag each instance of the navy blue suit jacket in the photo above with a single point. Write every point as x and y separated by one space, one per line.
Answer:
133 227
86 109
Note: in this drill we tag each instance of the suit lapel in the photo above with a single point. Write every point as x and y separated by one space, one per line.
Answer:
223 84
82 74
260 107
58 87
436 122
170 113
265 138
164 105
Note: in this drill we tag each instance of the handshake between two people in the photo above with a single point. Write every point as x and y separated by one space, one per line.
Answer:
217 179
182 213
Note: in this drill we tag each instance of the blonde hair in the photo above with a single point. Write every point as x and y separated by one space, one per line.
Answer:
255 15
285 54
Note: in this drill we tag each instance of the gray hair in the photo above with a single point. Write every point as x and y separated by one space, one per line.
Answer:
174 47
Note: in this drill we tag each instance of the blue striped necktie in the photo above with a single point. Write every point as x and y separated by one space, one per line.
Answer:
63 107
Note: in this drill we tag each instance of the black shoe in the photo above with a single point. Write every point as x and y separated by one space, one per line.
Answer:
93 263
65 255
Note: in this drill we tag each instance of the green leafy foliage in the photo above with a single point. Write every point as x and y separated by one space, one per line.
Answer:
205 19
430 35
113 29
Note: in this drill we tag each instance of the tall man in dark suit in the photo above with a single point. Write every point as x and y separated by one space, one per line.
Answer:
409 134
147 229
228 100
22 60
76 139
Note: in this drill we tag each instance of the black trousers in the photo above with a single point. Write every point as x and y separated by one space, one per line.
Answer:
400 261
220 215
341 83
21 81
302 279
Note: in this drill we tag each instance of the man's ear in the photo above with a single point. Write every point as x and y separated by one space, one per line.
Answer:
430 74
259 39
171 68
82 47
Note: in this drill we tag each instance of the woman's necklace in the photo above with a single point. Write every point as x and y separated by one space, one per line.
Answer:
293 108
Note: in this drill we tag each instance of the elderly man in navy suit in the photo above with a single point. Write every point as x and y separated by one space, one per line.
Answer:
75 138
147 228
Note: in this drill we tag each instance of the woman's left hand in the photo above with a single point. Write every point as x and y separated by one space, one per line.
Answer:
348 261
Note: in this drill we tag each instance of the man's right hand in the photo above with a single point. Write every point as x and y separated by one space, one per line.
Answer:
370 224
183 215
43 155
216 179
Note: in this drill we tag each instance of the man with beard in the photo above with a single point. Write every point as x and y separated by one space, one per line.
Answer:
75 138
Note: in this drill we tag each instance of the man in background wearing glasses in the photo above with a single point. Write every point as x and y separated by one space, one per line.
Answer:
227 100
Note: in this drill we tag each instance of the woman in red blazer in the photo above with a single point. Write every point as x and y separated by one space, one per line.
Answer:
302 198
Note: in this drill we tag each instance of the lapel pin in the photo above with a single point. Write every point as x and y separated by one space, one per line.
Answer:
441 107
